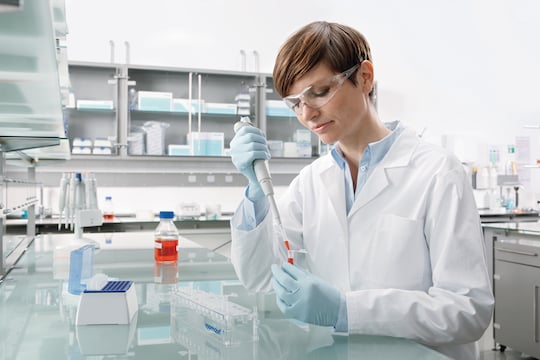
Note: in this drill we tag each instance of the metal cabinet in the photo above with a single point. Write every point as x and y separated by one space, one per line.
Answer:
516 287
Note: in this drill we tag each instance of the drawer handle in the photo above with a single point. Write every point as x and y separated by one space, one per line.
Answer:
535 313
519 252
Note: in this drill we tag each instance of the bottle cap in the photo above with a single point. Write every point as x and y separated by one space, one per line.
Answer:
166 214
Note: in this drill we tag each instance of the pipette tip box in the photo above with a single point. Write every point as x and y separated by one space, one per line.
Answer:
115 303
197 311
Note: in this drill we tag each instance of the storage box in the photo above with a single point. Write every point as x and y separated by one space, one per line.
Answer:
95 104
155 137
136 143
80 141
182 105
102 142
179 150
81 150
278 108
243 111
303 142
100 150
221 108
275 147
290 149
206 143
154 101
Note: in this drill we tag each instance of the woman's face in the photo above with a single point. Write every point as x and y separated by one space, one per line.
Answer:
339 119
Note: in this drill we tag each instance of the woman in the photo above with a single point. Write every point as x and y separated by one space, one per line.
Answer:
393 238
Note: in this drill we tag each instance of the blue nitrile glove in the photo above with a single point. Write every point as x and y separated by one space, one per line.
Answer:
249 144
305 297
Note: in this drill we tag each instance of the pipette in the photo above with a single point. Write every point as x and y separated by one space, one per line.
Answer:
71 200
262 172
62 198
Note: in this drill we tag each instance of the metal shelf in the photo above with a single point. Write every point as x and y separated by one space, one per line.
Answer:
14 143
167 164
183 171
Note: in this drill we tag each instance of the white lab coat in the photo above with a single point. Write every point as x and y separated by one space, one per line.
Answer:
409 256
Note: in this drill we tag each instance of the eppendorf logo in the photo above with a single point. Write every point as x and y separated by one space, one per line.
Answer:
213 329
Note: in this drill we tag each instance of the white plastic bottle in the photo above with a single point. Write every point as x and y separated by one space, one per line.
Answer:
108 209
166 238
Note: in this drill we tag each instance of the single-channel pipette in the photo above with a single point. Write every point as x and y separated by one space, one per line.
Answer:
262 172
64 182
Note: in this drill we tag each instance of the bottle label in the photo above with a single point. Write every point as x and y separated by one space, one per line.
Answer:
157 245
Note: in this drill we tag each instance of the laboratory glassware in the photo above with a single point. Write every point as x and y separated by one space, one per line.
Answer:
166 238
108 209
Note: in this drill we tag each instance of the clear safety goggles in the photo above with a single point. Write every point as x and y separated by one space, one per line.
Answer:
319 94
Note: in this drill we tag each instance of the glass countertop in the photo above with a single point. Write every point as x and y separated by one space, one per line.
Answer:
38 312
526 228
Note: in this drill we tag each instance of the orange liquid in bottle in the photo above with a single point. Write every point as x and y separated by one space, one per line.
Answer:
108 217
166 250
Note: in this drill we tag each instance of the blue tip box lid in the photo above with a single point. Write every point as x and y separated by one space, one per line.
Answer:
166 214
113 287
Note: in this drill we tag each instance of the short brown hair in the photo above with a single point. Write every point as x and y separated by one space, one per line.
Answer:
339 46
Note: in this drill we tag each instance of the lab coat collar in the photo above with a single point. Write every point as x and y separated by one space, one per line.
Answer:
398 156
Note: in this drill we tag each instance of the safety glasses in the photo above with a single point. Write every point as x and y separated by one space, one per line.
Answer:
319 94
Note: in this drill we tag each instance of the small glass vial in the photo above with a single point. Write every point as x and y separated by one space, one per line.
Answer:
108 209
166 238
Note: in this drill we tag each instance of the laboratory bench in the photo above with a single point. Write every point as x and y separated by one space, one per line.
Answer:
120 223
38 311
515 268
214 234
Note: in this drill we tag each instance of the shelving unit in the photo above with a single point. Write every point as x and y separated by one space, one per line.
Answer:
114 82
91 81
282 127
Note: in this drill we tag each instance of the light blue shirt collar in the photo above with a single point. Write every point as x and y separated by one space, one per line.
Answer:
372 156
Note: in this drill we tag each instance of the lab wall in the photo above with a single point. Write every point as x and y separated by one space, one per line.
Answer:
464 73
